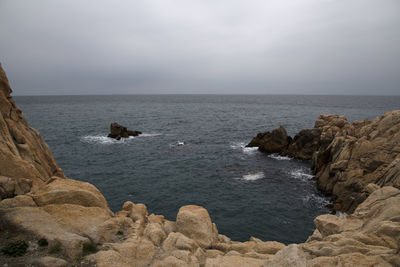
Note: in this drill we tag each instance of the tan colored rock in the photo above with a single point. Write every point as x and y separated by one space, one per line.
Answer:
154 233
256 255
195 223
18 201
68 191
39 223
269 247
108 258
290 256
213 253
23 153
50 262
169 227
170 261
136 211
242 248
179 241
234 261
156 219
224 247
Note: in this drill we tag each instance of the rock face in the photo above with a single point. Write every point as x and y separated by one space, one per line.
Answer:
346 157
23 153
72 223
118 131
271 142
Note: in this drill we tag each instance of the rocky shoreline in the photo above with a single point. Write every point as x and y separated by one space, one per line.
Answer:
350 160
47 219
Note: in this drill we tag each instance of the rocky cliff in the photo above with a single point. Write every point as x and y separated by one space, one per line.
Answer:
49 220
350 160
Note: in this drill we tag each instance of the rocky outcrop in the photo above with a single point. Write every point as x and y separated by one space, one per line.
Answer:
118 131
63 222
348 157
271 142
24 157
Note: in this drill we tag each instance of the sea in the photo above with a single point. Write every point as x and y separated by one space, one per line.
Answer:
192 152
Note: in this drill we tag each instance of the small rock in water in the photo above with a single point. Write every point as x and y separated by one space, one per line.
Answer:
118 131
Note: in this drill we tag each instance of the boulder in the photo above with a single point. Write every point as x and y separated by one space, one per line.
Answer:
118 131
195 222
271 142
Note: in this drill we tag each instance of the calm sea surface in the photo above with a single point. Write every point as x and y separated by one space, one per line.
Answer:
246 193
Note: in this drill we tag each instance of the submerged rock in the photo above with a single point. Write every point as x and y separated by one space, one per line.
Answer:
118 131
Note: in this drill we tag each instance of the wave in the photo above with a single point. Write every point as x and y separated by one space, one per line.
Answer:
301 174
253 176
243 148
104 140
278 157
149 134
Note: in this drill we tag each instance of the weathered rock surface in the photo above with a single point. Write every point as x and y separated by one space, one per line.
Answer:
23 153
346 157
118 131
73 221
271 142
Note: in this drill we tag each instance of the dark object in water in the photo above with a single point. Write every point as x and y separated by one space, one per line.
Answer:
118 131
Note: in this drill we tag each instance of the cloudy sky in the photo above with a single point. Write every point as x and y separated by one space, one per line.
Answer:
201 46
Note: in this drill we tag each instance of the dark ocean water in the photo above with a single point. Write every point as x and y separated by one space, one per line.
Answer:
246 193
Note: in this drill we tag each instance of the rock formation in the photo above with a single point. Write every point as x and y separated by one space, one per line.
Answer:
348 158
118 131
49 220
271 142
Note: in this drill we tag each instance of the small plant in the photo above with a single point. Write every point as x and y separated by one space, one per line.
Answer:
88 248
55 249
120 232
43 242
15 249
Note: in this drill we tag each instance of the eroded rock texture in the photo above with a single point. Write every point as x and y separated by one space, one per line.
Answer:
23 153
347 157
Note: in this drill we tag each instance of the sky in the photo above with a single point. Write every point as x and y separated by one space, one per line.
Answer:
54 47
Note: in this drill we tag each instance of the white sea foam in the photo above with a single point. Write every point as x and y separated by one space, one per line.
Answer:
242 146
178 143
278 157
104 140
313 198
149 134
300 174
253 176
340 214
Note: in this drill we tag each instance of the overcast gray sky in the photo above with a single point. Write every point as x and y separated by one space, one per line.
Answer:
207 46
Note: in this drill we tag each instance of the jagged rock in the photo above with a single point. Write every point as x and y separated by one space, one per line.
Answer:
271 142
118 131
304 144
23 153
195 222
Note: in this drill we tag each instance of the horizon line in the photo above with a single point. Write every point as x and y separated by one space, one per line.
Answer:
205 94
